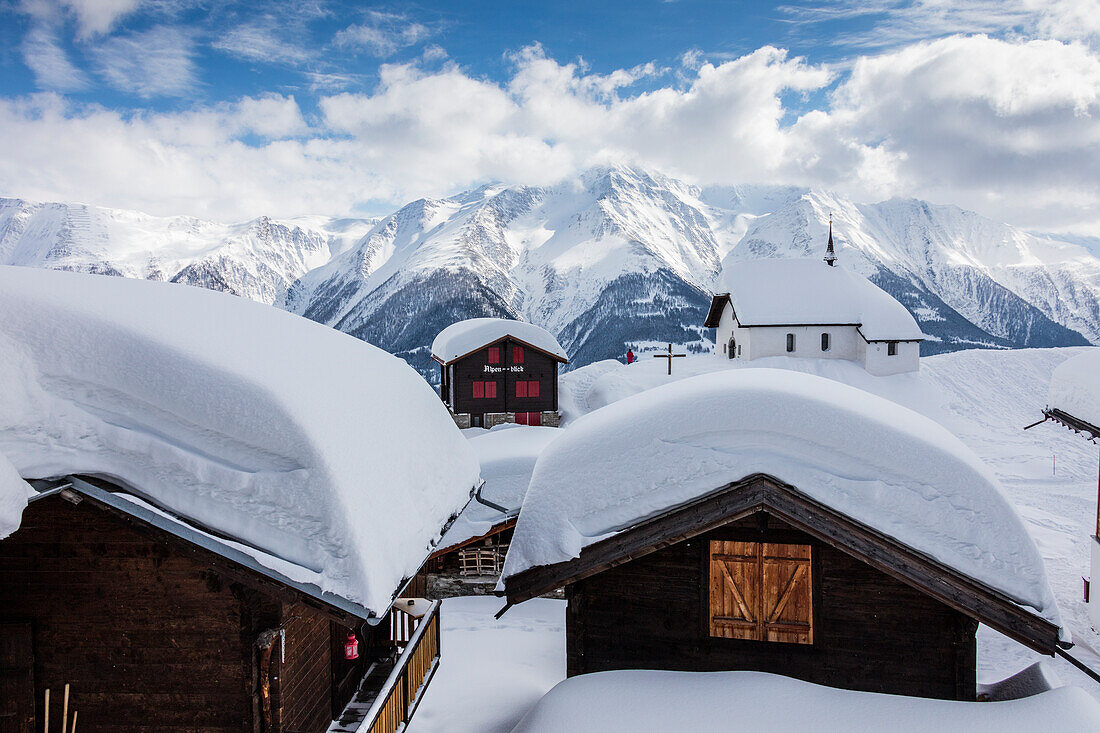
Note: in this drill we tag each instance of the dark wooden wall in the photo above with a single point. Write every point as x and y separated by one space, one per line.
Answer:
871 632
306 675
535 366
148 640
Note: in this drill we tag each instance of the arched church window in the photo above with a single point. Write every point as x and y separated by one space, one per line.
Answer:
790 342
824 342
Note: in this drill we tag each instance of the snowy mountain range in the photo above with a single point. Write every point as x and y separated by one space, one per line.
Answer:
617 257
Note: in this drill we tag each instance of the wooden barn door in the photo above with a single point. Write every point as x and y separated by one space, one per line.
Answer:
16 678
761 591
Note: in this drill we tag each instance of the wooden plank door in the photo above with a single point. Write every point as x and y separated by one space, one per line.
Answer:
735 607
788 594
16 678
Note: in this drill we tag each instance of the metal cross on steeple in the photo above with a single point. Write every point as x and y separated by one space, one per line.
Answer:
830 255
670 356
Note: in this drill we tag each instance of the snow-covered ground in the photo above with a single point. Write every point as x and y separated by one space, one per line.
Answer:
492 671
635 700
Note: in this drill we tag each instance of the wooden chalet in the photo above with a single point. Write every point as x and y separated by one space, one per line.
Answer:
759 574
159 625
756 576
494 370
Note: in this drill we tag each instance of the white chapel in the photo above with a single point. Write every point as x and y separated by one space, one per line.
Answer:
812 309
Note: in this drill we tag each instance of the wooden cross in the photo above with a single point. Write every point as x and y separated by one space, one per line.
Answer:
670 356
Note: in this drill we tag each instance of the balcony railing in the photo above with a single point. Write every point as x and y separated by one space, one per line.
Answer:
403 689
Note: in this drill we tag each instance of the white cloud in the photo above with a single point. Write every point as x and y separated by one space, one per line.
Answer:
45 57
153 63
95 17
264 40
1012 129
1009 128
383 34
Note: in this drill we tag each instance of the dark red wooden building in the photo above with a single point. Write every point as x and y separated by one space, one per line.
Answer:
494 370
157 625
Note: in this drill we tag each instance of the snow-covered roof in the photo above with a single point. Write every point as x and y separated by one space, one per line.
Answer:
870 459
14 493
783 292
459 339
638 701
296 440
507 454
1075 387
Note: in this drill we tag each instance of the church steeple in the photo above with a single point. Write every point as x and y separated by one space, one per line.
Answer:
830 255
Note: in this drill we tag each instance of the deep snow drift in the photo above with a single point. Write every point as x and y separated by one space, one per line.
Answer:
14 492
1075 387
507 455
289 437
871 459
635 701
459 339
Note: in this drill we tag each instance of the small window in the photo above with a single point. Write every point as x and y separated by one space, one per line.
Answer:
491 390
892 348
494 354
521 389
723 348
739 349
790 342
479 390
517 354
761 591
824 342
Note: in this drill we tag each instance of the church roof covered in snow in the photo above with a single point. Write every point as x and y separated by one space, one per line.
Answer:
459 339
794 292
864 457
1075 388
310 449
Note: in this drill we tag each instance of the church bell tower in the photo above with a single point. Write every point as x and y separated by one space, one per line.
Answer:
830 255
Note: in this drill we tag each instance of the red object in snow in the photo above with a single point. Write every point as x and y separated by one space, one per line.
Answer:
629 356
351 647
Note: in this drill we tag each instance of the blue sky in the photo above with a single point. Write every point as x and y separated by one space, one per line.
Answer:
229 110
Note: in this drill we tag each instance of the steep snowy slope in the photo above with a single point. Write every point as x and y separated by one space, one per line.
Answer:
613 258
617 258
256 259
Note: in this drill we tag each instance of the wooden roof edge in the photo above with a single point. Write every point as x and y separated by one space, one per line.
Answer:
234 563
761 492
717 305
506 336
496 529
1072 422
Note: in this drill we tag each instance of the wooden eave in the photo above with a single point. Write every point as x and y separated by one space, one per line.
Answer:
496 529
505 337
717 305
246 573
1075 424
762 493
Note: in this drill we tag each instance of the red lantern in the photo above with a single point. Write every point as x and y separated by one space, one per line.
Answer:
351 647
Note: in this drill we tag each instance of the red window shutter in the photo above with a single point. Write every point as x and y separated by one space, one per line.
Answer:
494 354
521 418
533 389
534 418
521 389
517 354
491 390
479 390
